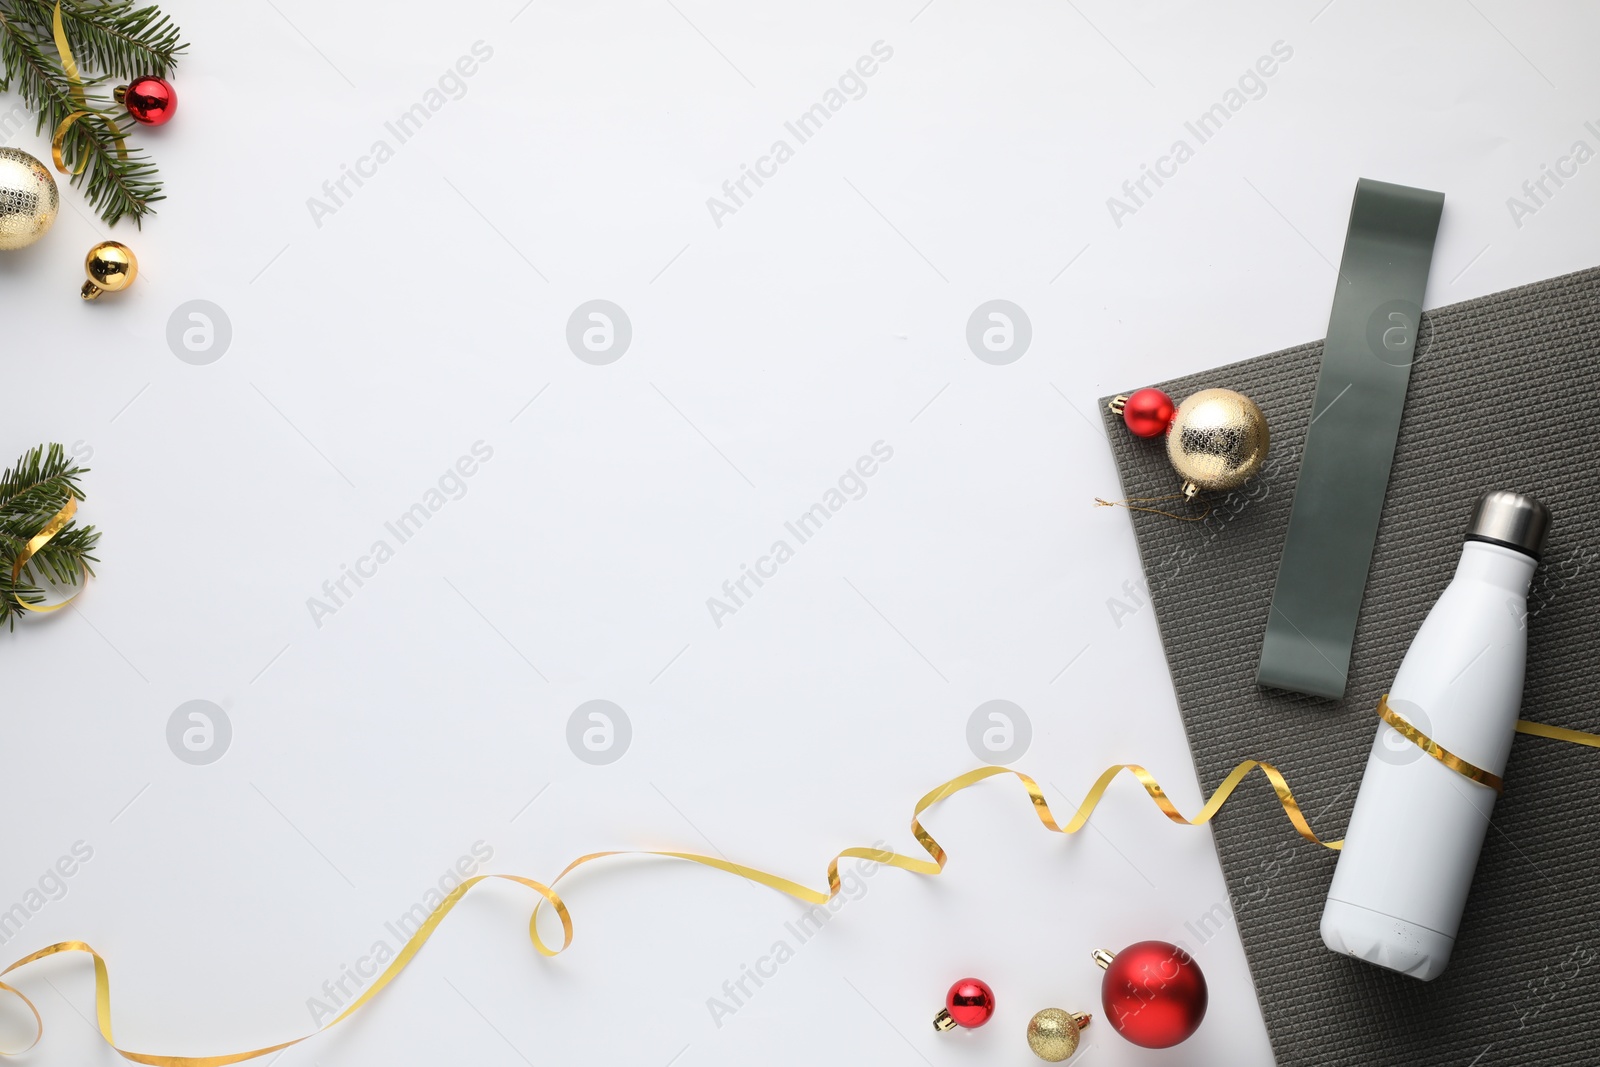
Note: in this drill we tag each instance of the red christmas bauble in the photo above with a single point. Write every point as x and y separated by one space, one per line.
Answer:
1154 994
1148 413
970 1002
150 100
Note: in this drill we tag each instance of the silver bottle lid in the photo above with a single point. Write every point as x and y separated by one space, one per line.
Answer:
1510 519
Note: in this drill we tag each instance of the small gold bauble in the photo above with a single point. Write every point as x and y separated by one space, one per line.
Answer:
111 267
1218 440
1053 1033
29 199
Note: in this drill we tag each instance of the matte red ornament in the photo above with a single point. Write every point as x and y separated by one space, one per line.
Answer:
1153 992
149 99
1148 413
969 1003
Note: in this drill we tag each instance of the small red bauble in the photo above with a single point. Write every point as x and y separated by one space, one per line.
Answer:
149 99
969 1003
1148 413
1153 993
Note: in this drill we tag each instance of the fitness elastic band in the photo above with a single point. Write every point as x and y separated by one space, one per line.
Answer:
1349 447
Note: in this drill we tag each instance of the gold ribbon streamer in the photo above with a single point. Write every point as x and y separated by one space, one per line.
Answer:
69 66
931 866
57 523
1557 733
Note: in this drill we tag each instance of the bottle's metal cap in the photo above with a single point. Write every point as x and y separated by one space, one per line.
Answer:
1510 519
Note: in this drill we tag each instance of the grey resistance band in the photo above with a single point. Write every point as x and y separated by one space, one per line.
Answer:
1344 471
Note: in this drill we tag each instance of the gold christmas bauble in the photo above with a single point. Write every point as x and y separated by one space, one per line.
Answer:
111 267
1218 440
29 199
1053 1033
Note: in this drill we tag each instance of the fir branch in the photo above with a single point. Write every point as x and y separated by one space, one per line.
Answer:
31 493
112 36
68 556
44 465
38 485
13 595
119 40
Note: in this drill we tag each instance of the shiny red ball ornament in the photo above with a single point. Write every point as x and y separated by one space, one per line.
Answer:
969 1003
149 99
1153 992
1148 413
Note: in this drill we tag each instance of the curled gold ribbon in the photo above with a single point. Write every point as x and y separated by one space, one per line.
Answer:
885 857
547 894
57 523
69 66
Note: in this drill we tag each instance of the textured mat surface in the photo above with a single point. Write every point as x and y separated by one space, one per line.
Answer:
1501 397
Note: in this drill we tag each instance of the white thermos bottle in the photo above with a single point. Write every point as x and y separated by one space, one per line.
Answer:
1414 837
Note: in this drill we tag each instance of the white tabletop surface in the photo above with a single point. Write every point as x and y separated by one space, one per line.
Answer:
381 333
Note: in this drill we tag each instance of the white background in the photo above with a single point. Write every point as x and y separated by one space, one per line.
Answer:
768 354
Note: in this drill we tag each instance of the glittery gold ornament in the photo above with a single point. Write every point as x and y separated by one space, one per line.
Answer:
1218 440
29 199
1053 1033
111 267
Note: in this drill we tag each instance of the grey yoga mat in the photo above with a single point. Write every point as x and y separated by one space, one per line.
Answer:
1501 397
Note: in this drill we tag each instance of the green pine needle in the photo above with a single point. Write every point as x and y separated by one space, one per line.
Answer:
114 37
31 493
109 39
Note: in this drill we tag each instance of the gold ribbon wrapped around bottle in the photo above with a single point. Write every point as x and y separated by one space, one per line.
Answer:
1470 771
